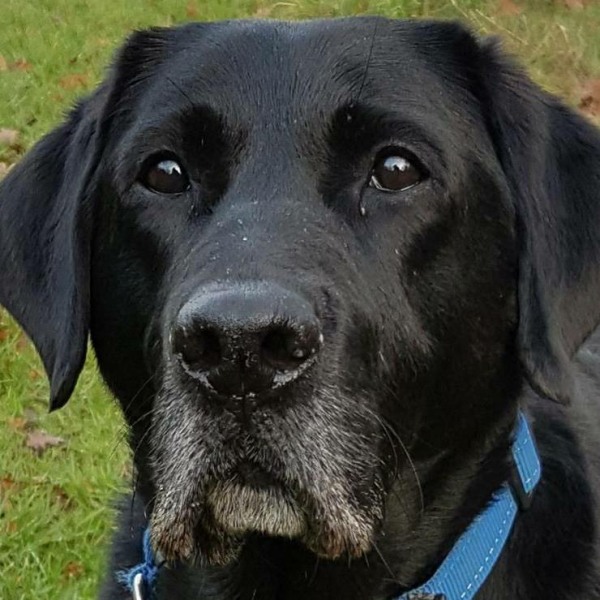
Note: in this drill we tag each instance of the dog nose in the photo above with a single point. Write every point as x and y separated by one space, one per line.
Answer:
246 338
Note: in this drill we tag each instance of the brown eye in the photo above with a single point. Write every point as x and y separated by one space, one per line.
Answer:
167 177
393 173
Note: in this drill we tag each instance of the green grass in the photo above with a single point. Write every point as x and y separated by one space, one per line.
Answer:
55 510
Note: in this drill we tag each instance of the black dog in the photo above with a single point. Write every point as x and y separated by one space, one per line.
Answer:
323 266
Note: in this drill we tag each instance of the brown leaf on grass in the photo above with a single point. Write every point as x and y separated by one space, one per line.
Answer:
26 422
102 42
7 483
74 81
20 65
3 63
10 527
39 441
61 498
191 10
574 4
34 374
4 333
17 423
22 343
73 570
508 8
9 137
589 100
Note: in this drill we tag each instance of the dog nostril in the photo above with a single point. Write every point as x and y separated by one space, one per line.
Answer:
286 349
198 349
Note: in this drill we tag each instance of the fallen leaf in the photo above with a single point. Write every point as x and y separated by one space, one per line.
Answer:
39 441
26 422
191 10
73 81
22 342
508 8
11 527
4 333
34 374
73 570
20 65
7 483
3 63
61 498
589 100
102 42
574 4
9 137
263 12
17 423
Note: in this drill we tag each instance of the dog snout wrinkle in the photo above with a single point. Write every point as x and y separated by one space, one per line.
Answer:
246 339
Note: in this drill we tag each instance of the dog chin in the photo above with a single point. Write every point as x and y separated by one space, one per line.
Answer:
240 509
211 528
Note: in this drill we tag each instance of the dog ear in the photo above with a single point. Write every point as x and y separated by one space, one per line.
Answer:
551 158
45 228
46 214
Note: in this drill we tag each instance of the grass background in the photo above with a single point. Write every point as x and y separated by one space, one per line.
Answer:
55 515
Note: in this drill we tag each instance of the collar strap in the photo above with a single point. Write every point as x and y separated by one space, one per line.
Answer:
471 559
139 580
474 555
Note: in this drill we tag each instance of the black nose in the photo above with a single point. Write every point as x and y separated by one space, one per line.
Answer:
246 338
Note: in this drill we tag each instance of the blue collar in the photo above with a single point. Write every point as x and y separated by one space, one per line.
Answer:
470 561
474 555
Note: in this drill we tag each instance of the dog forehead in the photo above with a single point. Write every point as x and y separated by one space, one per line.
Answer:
276 69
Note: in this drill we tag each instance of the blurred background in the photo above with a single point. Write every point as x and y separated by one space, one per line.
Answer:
60 473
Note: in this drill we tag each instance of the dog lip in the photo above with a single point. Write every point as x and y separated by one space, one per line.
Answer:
250 474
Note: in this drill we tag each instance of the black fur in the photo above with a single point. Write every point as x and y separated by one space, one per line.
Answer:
444 308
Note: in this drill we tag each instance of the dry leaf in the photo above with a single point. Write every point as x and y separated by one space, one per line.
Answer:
74 81
574 4
39 441
22 342
17 423
26 422
4 333
34 374
73 570
10 527
3 63
7 483
508 8
61 498
589 101
20 65
191 10
9 137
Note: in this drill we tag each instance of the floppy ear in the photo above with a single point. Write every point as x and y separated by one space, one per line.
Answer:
46 211
45 228
551 159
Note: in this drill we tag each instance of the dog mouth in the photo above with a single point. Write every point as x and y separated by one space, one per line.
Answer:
255 502
308 474
248 500
212 526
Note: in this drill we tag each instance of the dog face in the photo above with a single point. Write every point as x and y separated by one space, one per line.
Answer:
301 254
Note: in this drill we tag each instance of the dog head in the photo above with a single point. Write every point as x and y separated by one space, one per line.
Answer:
317 261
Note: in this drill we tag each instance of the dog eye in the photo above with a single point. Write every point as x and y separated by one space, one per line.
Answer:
166 177
394 173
